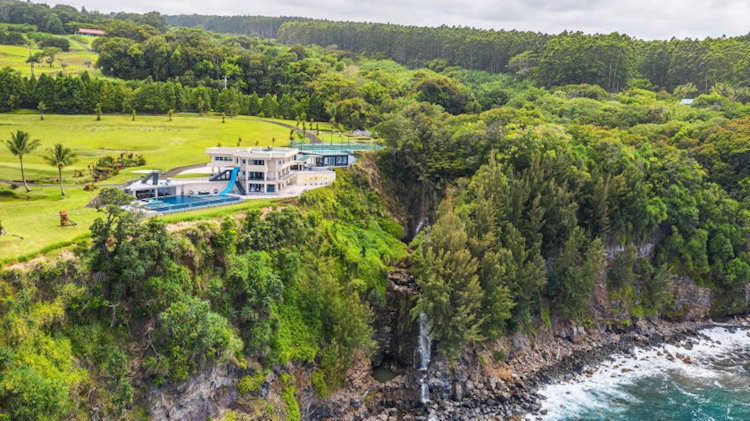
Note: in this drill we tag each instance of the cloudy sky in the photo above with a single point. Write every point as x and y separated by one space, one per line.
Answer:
649 19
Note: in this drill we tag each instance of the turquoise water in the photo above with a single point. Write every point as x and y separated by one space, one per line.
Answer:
714 386
180 203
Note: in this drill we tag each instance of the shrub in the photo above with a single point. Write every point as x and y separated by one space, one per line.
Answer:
318 380
12 38
58 42
251 384
189 334
546 318
290 401
500 355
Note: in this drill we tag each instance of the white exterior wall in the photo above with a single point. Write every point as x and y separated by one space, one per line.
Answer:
315 178
275 170
201 186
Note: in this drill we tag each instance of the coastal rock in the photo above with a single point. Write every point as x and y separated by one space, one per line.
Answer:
691 302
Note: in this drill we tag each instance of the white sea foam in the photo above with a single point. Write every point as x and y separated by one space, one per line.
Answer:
602 391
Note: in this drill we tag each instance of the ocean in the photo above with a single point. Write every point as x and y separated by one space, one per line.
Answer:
709 380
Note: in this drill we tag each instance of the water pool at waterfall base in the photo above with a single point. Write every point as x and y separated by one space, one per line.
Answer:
383 374
705 378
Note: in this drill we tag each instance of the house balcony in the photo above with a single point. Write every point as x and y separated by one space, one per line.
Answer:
272 177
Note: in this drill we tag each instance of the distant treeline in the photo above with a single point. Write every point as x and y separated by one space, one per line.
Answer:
263 26
67 94
62 19
471 48
612 61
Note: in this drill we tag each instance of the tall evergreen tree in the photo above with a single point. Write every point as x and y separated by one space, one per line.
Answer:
446 272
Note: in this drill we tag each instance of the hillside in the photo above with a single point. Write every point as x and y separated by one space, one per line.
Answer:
539 203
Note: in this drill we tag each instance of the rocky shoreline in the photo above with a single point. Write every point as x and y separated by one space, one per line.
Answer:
472 389
500 380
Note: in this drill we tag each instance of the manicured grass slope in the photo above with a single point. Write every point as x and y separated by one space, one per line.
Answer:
165 144
32 220
15 57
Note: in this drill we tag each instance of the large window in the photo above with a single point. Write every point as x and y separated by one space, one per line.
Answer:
223 158
259 162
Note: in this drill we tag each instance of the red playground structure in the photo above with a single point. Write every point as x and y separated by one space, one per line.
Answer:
65 221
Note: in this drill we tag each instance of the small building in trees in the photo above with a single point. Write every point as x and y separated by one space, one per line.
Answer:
91 32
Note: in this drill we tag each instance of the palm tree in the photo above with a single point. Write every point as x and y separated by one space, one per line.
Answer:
59 156
20 144
42 107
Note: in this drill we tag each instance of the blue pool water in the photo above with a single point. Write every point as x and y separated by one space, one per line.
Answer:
183 203
714 386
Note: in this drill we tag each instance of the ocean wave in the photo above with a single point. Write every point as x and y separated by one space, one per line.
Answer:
603 388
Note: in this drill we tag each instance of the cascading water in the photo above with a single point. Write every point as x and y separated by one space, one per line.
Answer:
423 360
420 224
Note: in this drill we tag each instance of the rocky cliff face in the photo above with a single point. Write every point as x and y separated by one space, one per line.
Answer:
496 382
206 395
691 302
395 331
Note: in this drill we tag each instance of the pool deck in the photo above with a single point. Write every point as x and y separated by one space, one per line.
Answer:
290 192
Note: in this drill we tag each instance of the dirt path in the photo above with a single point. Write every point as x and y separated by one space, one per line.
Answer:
82 45
313 139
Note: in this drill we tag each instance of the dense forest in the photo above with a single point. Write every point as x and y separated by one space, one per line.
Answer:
539 166
62 18
539 205
263 26
613 61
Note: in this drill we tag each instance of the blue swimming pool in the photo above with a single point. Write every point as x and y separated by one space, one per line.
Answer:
183 203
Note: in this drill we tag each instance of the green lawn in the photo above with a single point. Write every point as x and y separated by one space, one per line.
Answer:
165 144
32 220
15 57
82 41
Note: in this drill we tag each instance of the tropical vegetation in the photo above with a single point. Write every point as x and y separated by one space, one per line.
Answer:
532 176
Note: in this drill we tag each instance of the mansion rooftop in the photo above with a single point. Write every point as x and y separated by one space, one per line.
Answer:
256 151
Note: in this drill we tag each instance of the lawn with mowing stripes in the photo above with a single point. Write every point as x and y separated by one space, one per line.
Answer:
165 144
31 220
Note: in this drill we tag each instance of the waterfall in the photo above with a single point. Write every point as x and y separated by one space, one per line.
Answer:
423 362
424 343
420 224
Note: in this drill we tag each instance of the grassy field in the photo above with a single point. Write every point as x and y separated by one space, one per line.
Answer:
164 144
14 56
32 220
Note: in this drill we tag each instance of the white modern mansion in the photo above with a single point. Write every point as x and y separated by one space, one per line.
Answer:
250 171
261 169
